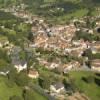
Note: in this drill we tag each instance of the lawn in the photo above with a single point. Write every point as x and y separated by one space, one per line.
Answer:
37 96
6 92
90 89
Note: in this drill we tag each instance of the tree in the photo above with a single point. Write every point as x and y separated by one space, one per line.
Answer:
88 53
69 85
89 79
4 56
31 37
22 79
28 95
45 82
23 55
96 56
13 74
97 81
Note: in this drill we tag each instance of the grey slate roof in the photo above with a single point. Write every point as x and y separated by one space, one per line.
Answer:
58 85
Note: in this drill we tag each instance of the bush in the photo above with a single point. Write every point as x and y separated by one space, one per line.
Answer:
89 79
28 95
44 83
22 79
97 81
69 85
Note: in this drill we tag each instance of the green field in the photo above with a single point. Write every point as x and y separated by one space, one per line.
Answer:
7 91
37 96
92 90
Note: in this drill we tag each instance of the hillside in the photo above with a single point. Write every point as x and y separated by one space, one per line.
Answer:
57 11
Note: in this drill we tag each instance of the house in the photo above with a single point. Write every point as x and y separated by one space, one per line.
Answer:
19 64
9 46
3 41
77 51
94 50
48 65
40 39
95 47
98 23
33 74
71 66
57 88
4 72
54 65
80 43
95 65
90 31
34 29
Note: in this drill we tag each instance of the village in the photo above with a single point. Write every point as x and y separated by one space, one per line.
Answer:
55 49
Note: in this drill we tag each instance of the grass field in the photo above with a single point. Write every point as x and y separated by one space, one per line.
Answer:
37 96
90 89
6 91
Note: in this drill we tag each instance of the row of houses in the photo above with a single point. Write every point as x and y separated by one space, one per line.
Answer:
95 65
59 65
